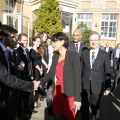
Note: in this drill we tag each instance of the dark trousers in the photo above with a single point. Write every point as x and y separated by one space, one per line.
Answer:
115 65
13 105
23 102
90 105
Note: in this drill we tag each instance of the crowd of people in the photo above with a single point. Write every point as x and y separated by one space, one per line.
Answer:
74 78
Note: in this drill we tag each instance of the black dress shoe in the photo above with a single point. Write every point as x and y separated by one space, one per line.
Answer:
27 111
33 112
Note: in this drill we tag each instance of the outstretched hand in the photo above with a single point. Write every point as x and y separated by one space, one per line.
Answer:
106 92
36 84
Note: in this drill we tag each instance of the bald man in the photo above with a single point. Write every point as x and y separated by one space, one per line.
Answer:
76 45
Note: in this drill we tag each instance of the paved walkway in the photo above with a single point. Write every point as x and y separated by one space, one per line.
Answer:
41 112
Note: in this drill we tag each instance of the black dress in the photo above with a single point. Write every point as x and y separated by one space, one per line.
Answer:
36 60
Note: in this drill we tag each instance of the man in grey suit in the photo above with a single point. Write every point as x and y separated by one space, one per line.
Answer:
108 49
96 78
115 57
76 45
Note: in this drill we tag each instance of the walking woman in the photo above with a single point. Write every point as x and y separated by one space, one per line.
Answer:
66 74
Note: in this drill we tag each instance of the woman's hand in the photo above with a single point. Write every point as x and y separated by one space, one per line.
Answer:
76 106
41 71
106 92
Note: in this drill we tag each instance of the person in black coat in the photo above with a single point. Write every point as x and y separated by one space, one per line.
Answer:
115 57
25 74
4 90
71 77
96 77
108 49
16 66
6 80
37 65
76 45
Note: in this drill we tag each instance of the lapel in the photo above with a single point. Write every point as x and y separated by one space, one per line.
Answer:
80 49
23 57
73 46
12 60
3 58
87 57
97 60
11 57
66 59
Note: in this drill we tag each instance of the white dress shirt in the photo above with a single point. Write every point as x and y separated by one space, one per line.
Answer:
24 49
95 53
117 55
107 49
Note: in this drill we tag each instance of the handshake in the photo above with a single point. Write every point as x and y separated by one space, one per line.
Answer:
36 85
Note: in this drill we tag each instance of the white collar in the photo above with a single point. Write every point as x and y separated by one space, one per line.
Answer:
95 50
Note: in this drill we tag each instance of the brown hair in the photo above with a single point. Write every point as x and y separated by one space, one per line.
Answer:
20 36
41 35
40 49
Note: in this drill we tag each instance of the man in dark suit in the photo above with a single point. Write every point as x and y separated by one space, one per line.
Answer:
25 74
76 45
115 57
4 90
96 77
16 66
108 49
7 81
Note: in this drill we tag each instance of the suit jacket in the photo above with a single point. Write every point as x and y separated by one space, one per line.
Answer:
72 75
25 73
113 54
3 60
4 90
99 76
82 47
109 51
14 82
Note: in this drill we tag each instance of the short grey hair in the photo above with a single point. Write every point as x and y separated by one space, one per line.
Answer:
94 33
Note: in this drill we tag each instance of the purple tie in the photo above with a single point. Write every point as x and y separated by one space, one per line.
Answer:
76 46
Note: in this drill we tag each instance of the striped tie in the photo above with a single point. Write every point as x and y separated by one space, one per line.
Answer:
93 58
76 46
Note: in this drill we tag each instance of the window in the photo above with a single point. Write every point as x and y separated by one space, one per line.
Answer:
109 26
10 21
86 19
10 3
66 22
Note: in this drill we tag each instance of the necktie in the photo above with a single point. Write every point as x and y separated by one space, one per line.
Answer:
76 46
14 56
93 58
